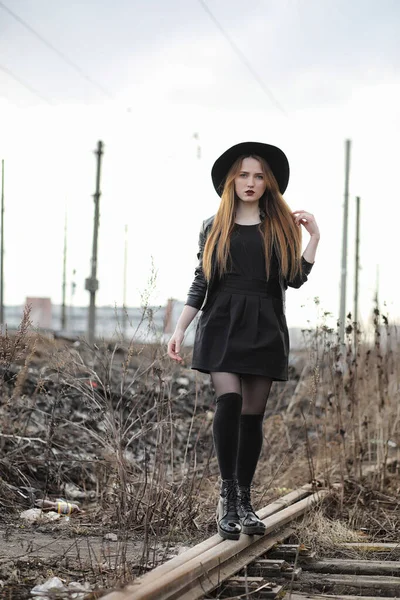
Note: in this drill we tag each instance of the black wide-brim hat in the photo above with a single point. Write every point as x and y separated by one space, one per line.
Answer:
274 156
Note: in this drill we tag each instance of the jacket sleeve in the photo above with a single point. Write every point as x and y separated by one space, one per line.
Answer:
301 278
198 288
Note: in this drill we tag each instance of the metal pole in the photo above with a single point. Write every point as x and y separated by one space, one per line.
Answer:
71 302
357 268
125 318
342 316
2 247
64 282
377 288
92 284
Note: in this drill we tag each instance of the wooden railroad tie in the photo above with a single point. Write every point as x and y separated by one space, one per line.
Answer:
246 585
291 551
334 583
345 577
388 549
273 568
355 567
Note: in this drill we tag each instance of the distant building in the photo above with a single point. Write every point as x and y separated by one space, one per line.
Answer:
40 314
151 324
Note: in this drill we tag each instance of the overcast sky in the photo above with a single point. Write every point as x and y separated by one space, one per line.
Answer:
147 76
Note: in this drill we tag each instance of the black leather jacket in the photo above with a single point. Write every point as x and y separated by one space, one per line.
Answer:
200 291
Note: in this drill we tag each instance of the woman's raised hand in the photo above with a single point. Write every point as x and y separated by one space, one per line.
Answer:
302 217
174 345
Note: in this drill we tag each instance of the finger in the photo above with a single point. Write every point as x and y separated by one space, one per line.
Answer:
171 349
299 213
298 216
307 216
176 357
305 219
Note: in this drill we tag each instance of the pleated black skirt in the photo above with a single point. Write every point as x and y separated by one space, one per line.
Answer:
243 330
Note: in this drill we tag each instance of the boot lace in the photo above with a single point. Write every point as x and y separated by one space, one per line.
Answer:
231 496
245 499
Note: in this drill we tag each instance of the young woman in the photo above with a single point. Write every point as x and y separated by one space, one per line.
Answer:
249 253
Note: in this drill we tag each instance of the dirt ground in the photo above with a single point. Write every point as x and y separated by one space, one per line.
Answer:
31 554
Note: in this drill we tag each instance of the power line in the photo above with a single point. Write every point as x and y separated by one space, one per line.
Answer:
25 85
242 57
54 49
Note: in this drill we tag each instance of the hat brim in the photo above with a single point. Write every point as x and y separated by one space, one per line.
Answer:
274 156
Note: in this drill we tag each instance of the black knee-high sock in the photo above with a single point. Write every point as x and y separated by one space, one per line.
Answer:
250 444
226 432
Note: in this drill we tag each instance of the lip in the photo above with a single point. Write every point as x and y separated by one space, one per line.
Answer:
249 192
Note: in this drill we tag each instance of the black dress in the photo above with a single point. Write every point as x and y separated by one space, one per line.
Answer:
243 329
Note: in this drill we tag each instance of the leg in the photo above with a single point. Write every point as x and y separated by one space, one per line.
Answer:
226 421
255 395
226 382
226 425
255 390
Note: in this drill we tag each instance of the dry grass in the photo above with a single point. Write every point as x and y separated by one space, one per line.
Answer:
317 531
112 419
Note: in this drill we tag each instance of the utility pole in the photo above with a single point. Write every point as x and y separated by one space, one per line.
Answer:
91 283
71 302
64 282
342 315
2 247
377 288
357 268
125 317
376 312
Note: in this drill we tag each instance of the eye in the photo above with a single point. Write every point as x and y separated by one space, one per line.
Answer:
260 176
243 174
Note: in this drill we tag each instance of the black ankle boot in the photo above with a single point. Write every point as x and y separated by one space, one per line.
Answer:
251 524
228 522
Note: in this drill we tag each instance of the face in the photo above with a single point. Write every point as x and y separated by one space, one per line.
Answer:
250 182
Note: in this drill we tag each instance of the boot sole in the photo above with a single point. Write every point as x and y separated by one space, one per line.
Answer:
226 535
256 530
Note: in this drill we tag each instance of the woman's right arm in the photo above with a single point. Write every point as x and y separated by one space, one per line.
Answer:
174 345
198 289
187 315
193 303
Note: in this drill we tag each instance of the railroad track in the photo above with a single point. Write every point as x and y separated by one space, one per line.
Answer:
202 569
265 567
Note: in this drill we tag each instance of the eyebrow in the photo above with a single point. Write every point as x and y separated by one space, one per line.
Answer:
259 173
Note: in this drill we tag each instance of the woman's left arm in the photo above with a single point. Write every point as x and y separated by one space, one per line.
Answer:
302 217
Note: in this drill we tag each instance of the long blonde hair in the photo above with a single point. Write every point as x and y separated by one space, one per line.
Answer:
278 227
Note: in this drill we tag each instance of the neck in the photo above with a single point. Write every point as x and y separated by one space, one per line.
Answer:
247 212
